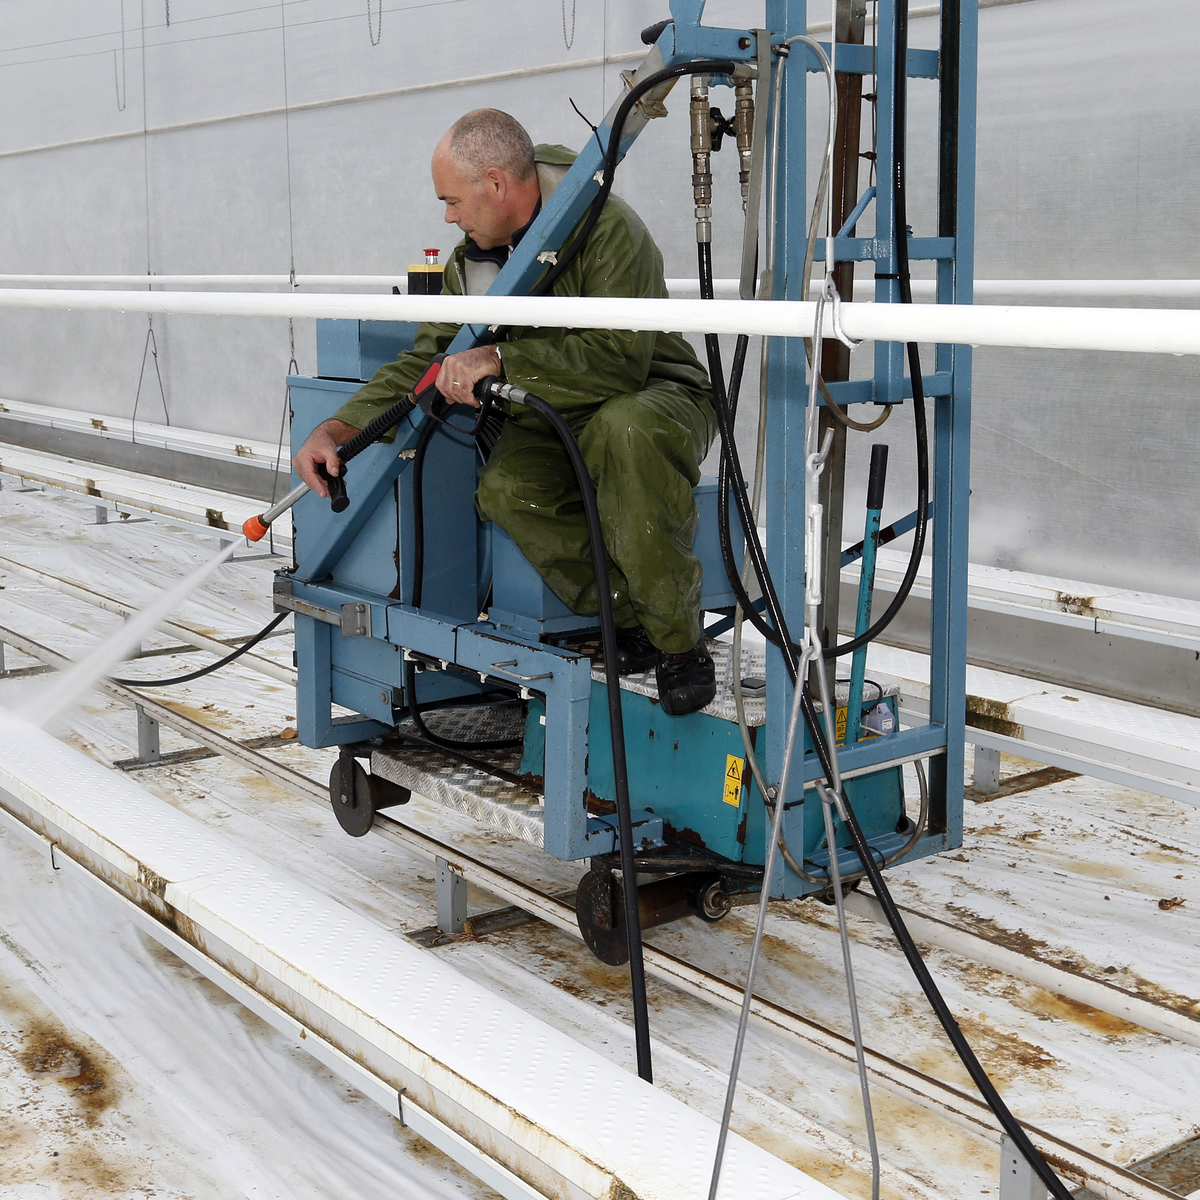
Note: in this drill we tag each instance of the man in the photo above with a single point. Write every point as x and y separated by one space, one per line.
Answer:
637 402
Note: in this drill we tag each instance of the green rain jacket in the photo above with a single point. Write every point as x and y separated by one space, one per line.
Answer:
575 370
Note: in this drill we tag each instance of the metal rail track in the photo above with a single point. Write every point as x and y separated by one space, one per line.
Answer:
1103 1178
185 633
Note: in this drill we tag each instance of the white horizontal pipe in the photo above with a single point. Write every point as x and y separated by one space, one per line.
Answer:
1146 331
140 281
399 279
1182 289
1166 289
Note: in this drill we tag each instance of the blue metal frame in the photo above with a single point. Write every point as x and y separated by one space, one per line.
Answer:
513 651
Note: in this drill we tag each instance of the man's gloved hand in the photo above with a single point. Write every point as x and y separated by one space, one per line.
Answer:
461 372
321 447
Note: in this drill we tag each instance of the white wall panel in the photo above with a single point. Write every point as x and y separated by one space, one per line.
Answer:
1082 463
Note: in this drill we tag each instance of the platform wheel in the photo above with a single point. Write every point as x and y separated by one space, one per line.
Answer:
356 796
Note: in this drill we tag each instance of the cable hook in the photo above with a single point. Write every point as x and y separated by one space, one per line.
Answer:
835 301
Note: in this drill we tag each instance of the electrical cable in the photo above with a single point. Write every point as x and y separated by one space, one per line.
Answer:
221 662
608 637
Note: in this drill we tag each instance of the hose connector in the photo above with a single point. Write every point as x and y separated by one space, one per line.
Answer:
701 124
743 127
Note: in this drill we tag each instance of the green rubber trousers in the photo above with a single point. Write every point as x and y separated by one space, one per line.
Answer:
643 451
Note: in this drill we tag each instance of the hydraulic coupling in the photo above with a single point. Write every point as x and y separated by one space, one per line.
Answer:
702 145
743 125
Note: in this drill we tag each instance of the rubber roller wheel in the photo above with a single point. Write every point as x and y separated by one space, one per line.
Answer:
600 914
356 796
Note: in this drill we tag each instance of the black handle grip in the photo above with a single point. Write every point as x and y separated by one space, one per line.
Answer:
878 476
652 33
338 500
483 387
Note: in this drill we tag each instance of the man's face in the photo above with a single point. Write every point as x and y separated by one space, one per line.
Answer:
478 208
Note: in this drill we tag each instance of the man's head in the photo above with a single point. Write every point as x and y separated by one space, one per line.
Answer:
483 170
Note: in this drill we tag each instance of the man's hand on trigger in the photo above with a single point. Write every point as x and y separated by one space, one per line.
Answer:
321 446
461 372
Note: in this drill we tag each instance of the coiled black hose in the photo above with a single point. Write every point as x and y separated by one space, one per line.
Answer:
221 662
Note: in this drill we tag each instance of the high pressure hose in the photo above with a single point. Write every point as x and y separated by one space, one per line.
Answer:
429 428
248 644
608 637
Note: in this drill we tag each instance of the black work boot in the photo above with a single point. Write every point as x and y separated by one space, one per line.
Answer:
635 651
687 681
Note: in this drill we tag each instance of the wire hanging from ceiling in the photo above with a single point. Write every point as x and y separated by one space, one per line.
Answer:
293 366
119 75
375 24
568 39
150 346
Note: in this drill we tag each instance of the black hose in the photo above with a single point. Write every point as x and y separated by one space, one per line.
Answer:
221 662
608 638
429 428
699 67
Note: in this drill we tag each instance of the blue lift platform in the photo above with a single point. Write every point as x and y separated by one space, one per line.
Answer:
487 624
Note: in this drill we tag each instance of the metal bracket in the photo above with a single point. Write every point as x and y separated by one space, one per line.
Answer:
451 898
1017 1178
147 735
356 619
353 619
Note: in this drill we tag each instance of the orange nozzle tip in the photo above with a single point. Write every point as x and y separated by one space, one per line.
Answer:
254 529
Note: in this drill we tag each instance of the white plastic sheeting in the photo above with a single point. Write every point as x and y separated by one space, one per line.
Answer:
1082 466
197 1098
554 1112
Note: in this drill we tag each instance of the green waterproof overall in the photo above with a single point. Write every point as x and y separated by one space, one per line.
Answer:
639 405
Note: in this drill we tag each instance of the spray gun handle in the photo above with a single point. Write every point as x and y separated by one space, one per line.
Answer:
339 501
483 388
424 393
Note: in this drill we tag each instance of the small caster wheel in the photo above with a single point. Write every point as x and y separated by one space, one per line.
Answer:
356 796
709 900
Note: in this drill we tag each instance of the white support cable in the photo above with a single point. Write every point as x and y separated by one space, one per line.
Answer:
1138 330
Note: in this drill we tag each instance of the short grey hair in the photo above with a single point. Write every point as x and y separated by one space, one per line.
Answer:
487 138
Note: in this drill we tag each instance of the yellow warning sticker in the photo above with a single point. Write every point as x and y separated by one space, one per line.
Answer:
735 768
839 724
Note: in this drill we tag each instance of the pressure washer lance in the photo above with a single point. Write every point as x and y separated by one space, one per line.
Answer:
424 393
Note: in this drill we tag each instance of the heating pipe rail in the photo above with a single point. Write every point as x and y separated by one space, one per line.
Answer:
1164 289
1103 1178
285 673
1140 330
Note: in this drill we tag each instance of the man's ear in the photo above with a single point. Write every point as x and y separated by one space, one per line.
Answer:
496 183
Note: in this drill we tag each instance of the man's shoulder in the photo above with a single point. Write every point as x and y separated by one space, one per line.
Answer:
554 154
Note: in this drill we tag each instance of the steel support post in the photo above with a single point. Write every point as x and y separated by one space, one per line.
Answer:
835 355
786 391
147 735
952 415
1017 1178
451 898
3 668
986 777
